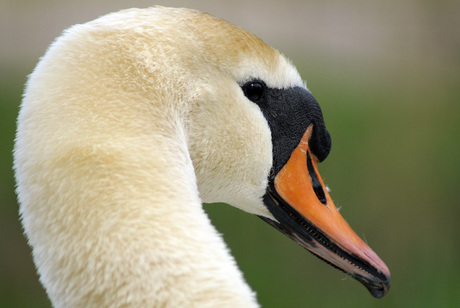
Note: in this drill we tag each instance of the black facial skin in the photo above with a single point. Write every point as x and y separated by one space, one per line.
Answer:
289 112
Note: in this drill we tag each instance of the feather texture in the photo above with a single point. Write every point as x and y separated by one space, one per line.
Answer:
128 124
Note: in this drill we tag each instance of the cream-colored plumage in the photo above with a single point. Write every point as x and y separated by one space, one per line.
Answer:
128 124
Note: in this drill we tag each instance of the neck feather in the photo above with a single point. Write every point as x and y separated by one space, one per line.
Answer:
121 222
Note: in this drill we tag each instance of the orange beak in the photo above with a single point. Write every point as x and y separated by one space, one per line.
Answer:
298 199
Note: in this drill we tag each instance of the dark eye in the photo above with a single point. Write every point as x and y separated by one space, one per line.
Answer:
254 90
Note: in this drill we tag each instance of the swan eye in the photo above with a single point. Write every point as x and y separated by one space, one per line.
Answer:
254 90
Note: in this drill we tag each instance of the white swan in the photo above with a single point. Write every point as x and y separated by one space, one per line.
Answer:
130 122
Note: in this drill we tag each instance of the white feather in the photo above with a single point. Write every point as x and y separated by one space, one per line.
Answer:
128 124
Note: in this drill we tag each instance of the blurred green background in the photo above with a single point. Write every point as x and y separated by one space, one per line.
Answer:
386 74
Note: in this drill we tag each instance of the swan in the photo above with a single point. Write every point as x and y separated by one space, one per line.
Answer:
130 122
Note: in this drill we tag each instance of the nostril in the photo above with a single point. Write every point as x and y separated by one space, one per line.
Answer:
317 187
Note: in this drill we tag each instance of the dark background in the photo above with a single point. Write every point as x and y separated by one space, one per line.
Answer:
386 74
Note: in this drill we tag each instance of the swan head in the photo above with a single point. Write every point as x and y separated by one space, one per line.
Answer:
251 128
256 136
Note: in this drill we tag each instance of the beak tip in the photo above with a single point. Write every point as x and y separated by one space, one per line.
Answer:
380 289
379 292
